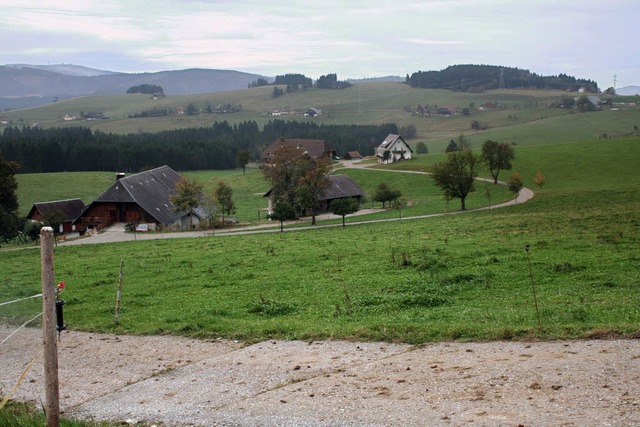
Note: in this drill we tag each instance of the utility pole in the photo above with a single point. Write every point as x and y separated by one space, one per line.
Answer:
52 388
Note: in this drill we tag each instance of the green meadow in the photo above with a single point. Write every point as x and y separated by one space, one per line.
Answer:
452 277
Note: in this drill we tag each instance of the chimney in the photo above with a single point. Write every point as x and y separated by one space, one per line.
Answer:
119 176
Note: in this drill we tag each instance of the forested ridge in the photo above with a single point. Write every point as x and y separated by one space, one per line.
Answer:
215 147
469 78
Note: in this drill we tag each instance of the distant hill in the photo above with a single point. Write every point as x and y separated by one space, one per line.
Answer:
66 69
628 91
69 81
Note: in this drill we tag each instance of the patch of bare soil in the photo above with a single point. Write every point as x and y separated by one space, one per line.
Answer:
176 381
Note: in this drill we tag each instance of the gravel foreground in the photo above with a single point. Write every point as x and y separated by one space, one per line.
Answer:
174 381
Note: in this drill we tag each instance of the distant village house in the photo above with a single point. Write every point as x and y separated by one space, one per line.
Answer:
393 149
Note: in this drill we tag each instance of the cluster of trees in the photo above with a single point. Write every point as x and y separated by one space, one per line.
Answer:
156 111
473 78
456 176
582 104
385 194
189 195
330 81
146 88
214 147
295 82
297 182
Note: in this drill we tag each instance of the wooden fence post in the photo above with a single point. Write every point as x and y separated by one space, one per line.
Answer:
52 391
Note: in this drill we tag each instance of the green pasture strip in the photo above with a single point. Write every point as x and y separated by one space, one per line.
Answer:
542 126
455 277
570 165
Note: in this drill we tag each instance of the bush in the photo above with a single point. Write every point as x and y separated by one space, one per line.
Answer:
421 148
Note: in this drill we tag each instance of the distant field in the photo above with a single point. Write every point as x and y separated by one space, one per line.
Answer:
522 116
462 277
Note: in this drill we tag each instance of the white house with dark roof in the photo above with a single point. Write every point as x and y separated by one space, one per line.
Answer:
393 149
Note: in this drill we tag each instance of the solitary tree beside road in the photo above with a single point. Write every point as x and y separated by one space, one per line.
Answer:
457 175
497 156
344 207
224 198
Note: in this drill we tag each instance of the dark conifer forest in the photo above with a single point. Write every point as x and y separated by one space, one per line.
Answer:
214 147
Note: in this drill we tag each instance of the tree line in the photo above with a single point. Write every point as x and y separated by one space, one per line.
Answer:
295 82
476 78
213 147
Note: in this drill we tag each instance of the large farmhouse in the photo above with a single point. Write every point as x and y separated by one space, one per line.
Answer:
314 148
140 198
394 148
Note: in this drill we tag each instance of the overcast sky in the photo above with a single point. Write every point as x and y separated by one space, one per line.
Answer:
593 39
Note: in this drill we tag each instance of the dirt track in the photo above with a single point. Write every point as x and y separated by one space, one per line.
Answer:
180 381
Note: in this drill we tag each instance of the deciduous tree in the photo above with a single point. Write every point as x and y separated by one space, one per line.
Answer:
344 207
282 173
224 197
311 185
187 196
515 184
283 211
242 159
383 193
497 156
456 176
399 204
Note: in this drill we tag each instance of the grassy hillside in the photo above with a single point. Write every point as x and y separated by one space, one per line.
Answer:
452 277
522 116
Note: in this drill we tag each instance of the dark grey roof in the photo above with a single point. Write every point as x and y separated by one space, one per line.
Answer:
341 186
150 190
70 208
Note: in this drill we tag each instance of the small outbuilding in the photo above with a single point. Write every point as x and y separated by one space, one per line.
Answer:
352 155
67 210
